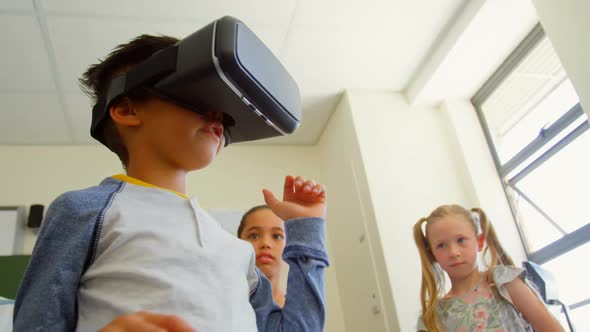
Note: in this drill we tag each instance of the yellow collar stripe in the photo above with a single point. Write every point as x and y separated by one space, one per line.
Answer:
128 179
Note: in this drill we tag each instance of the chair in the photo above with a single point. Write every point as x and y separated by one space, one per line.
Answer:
547 288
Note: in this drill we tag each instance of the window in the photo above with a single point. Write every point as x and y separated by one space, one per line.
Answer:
539 138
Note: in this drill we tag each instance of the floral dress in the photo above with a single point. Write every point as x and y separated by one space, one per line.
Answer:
481 310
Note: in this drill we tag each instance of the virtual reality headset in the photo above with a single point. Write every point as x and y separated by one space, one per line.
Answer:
221 67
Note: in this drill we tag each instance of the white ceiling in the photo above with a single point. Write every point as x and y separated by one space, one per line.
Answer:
327 46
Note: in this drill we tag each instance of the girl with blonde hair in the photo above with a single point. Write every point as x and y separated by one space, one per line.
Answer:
497 299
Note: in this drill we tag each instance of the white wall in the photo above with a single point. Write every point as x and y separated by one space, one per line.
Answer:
38 174
567 26
236 178
481 174
412 167
357 256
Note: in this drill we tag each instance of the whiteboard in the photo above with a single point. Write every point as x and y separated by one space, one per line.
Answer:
12 230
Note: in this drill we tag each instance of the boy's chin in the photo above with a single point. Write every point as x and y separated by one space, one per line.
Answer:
201 165
205 158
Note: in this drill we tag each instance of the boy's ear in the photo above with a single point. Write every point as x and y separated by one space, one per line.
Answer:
124 113
480 242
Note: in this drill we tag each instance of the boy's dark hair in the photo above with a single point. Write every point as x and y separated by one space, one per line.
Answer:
247 214
95 81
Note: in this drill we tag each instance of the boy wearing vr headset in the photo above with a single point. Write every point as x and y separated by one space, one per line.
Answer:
137 243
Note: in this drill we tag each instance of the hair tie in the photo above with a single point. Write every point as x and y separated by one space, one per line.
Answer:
423 227
476 223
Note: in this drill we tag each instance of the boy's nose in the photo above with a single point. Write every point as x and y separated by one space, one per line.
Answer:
213 116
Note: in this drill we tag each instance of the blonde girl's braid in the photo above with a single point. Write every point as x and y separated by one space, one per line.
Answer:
498 255
431 280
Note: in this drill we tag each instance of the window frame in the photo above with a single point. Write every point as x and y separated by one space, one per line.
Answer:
569 241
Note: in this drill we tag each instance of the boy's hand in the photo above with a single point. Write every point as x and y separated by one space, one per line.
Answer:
301 199
148 322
